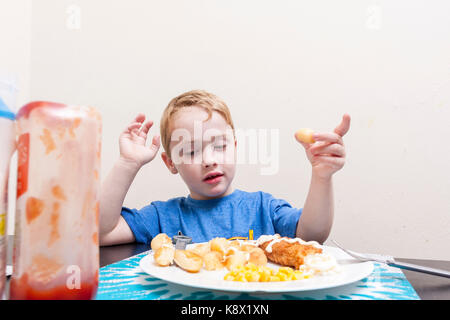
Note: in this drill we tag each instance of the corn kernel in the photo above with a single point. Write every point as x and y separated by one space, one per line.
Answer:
265 277
282 276
252 277
241 278
229 277
253 273
252 266
285 270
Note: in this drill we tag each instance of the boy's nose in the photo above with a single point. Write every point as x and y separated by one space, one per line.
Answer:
208 159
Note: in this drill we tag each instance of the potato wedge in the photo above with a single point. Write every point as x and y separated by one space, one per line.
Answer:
213 261
220 245
257 257
239 258
188 260
164 255
159 240
201 249
248 247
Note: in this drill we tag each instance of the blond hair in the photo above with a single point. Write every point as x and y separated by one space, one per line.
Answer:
195 98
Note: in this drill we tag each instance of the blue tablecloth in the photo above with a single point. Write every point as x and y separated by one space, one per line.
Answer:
125 280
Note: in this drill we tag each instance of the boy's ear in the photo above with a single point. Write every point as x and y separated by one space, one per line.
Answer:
169 163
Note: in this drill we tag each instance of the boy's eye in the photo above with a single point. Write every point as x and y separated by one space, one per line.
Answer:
193 152
220 147
189 151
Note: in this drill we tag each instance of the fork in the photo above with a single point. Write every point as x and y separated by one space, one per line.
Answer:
390 261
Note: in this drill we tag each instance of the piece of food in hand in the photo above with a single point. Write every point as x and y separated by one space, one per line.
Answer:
238 258
188 260
159 240
305 135
213 261
220 245
164 255
201 249
257 257
287 251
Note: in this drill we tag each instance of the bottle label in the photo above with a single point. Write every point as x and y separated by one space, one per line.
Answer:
2 225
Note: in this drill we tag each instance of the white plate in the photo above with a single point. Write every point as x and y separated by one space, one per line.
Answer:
351 271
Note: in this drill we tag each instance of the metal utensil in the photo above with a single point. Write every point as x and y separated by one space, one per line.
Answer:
390 261
181 241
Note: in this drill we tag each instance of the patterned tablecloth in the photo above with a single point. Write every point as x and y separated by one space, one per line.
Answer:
125 280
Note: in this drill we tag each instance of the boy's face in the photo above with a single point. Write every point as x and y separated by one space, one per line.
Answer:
202 152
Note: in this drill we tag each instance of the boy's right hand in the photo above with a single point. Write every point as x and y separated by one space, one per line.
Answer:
133 150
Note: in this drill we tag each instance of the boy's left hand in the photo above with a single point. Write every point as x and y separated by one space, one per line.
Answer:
327 153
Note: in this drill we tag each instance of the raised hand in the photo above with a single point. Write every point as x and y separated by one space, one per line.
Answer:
132 142
327 153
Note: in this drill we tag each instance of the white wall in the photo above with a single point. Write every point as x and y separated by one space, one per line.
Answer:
279 65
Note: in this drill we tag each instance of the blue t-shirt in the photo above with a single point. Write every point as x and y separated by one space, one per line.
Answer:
230 216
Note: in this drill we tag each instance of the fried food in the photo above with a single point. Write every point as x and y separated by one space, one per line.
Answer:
231 250
213 261
188 260
245 260
164 255
246 247
305 135
287 251
236 259
201 249
257 257
234 244
159 240
220 245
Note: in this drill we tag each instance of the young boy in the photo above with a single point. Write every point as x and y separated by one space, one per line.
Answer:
197 134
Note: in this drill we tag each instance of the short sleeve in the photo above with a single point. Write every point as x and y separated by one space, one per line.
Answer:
144 223
284 217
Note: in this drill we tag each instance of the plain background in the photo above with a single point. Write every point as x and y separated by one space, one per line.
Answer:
279 65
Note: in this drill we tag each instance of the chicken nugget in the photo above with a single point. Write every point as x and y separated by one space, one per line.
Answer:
288 253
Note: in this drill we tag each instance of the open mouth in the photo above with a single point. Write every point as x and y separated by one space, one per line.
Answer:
213 177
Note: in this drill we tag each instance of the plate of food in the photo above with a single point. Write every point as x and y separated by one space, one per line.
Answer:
269 264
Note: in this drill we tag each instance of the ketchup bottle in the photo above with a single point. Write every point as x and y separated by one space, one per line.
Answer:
56 248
